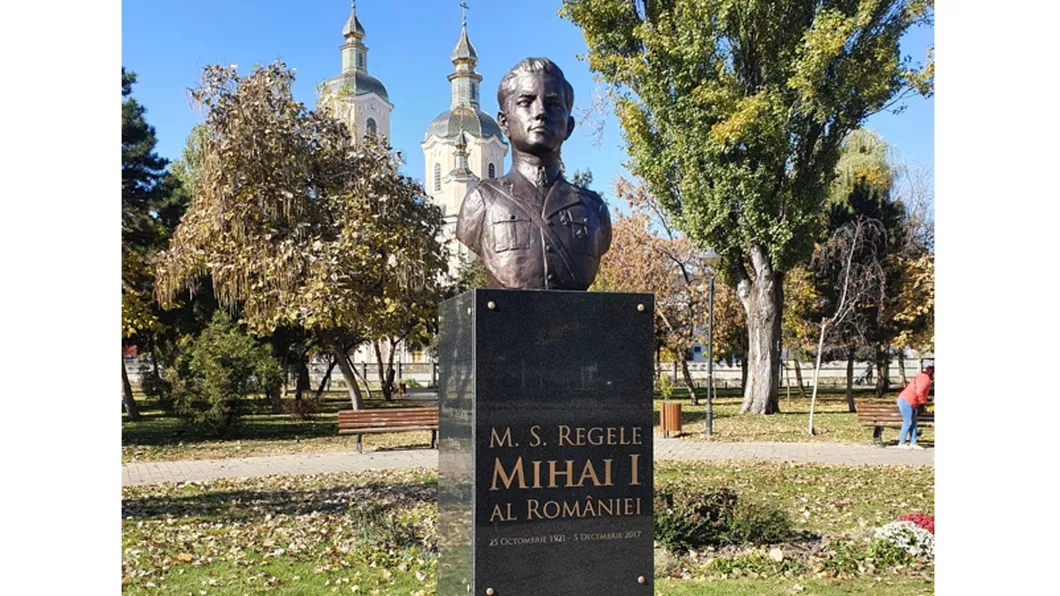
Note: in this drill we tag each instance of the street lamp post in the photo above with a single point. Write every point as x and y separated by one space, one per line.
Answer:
712 259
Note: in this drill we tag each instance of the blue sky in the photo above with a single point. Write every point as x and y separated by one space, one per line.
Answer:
167 42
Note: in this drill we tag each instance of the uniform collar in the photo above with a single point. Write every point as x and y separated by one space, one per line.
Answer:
560 195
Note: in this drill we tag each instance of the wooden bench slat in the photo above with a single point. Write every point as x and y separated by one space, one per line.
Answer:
368 431
389 424
386 420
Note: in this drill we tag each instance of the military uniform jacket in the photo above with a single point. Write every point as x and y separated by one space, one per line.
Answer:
531 238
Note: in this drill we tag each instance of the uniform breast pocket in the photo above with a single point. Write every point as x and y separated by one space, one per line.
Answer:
510 232
585 230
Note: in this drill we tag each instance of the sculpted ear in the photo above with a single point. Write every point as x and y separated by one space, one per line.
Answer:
570 127
502 121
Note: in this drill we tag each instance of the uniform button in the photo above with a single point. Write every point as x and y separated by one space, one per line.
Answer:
551 277
549 248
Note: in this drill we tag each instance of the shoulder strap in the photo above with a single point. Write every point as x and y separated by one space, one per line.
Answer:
546 229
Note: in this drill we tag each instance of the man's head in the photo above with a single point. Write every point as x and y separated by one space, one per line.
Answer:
535 102
930 371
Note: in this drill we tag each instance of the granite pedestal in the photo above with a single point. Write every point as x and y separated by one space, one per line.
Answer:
545 463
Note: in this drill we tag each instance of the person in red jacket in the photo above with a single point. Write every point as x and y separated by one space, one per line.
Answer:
912 397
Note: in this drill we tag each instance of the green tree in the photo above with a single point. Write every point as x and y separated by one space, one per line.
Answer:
218 371
733 112
143 189
297 224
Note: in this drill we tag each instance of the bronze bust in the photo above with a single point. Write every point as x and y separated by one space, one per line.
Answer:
532 229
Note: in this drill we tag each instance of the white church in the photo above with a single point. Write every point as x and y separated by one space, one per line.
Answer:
461 145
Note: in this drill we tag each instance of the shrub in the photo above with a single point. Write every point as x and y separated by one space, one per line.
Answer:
690 519
758 525
666 387
216 373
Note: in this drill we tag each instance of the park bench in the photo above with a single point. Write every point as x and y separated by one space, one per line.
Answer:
388 420
880 416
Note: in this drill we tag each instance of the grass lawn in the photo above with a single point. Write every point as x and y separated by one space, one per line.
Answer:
832 420
375 532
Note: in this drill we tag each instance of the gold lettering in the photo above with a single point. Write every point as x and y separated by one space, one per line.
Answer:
555 509
531 509
500 440
638 505
564 434
627 505
611 434
600 507
569 511
552 473
535 439
607 472
537 473
636 436
589 471
635 473
598 440
497 513
517 470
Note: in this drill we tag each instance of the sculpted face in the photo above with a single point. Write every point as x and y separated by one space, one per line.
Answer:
535 116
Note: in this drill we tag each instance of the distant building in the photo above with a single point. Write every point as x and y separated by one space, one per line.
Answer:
361 99
462 144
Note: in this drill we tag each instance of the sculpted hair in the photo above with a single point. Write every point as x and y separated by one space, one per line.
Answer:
533 65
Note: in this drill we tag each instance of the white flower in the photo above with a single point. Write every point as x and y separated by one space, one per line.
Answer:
909 537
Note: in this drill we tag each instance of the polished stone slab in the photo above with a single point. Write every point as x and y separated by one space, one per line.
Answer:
545 464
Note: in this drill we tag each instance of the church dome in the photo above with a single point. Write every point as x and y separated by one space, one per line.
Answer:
358 83
353 25
464 50
474 122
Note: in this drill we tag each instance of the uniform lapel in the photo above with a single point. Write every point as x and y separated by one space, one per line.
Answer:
560 196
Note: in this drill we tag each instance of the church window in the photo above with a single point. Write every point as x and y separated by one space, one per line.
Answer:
437 176
370 125
493 171
474 92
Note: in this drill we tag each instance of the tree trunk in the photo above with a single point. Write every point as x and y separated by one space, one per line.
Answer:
127 394
850 380
274 400
883 361
387 394
339 353
743 371
798 378
762 300
688 381
302 385
327 378
901 366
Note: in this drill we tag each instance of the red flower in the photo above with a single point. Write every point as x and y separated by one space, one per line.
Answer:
924 521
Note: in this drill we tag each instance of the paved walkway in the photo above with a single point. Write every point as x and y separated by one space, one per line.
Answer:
665 449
